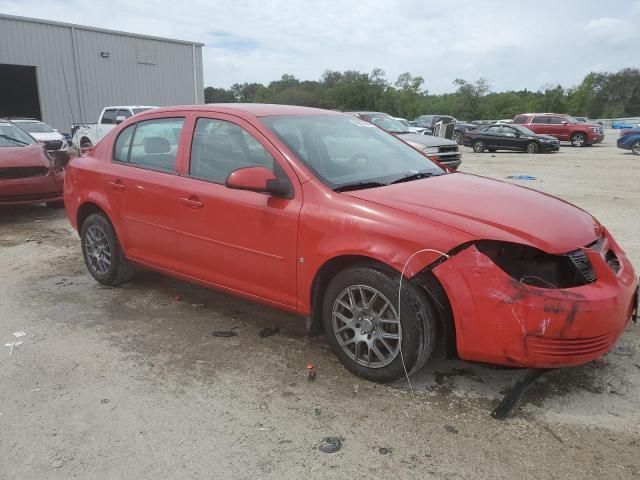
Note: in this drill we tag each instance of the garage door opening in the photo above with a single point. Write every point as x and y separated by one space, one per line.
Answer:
19 92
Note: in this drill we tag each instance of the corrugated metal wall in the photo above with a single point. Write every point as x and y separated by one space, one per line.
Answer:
76 83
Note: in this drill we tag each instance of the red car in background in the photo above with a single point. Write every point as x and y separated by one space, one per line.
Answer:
28 174
564 127
325 215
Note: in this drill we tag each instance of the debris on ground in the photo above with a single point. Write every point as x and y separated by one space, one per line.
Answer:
311 373
268 332
384 450
521 177
104 400
624 349
11 346
450 429
316 411
330 445
19 334
224 333
356 387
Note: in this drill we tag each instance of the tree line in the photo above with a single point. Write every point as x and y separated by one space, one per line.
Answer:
600 95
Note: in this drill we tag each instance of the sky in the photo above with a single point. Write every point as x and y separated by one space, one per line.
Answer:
513 44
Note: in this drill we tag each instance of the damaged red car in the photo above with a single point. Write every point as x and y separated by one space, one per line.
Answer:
28 173
322 214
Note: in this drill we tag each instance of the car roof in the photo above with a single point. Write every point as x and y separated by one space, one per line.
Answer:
367 113
247 110
24 119
113 107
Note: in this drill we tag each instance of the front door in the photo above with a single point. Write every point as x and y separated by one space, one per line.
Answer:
241 240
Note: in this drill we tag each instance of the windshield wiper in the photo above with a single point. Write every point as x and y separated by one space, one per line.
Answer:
415 176
358 186
13 139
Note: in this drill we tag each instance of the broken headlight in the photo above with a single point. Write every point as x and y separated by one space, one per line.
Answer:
534 267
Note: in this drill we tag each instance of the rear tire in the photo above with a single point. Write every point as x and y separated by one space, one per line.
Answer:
366 297
635 148
578 139
102 252
479 146
532 147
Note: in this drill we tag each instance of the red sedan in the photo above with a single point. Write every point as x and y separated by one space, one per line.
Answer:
28 174
322 214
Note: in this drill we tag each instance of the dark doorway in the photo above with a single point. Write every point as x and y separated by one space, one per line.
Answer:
19 91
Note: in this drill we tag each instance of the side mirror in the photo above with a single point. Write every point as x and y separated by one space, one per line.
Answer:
120 119
258 179
564 122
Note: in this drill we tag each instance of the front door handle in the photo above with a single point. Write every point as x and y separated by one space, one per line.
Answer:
191 201
117 185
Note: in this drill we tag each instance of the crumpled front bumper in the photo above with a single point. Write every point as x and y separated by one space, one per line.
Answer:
30 190
501 321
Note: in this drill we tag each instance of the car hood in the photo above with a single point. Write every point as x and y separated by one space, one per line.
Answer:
491 210
42 136
27 156
425 140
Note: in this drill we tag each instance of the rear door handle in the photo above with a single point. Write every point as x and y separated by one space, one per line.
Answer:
117 185
192 202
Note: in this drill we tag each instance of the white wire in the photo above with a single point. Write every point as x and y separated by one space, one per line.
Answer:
404 268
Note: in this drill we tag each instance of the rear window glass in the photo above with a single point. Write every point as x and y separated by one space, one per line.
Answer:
520 119
540 120
154 144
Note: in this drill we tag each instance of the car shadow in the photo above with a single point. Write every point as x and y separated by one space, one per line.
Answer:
20 214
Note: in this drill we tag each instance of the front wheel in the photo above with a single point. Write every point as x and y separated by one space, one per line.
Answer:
364 329
478 146
578 139
533 147
102 252
457 137
635 148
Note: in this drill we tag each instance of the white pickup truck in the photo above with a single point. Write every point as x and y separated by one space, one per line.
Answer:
86 135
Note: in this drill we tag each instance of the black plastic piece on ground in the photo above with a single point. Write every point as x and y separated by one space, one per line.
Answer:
516 392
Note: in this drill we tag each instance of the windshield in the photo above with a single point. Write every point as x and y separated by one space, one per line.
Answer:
521 129
140 110
343 150
387 123
34 127
12 136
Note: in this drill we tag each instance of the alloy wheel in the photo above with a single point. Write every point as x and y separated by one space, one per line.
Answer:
578 140
635 148
97 250
366 326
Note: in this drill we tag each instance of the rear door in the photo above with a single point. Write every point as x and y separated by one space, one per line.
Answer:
143 178
558 128
540 124
241 240
493 137
511 139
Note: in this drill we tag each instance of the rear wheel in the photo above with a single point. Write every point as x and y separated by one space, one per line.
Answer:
478 146
578 139
362 325
85 143
532 147
102 253
635 148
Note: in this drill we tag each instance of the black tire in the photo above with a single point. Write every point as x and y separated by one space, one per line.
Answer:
532 147
635 147
58 204
457 137
120 269
479 146
418 327
579 139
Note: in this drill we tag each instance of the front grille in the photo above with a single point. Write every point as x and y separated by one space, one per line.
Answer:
30 197
448 148
53 144
13 173
570 347
581 260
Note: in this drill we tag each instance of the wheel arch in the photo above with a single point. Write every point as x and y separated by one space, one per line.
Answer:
425 280
87 208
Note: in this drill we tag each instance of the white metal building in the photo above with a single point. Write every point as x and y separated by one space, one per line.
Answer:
63 73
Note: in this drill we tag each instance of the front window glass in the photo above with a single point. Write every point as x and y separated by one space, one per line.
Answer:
556 120
12 136
219 147
121 149
108 117
155 144
540 120
570 119
343 150
35 127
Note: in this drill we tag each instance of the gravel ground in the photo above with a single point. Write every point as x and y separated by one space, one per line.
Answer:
130 383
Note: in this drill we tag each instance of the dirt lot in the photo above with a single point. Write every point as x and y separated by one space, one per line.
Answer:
130 383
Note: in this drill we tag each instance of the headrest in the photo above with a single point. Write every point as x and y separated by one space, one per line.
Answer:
154 145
